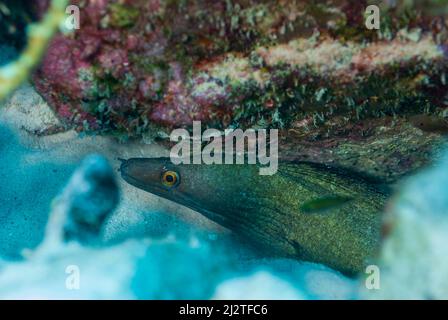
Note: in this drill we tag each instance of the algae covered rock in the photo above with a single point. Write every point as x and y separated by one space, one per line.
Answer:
137 63
141 68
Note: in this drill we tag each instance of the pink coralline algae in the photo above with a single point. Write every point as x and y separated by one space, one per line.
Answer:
125 67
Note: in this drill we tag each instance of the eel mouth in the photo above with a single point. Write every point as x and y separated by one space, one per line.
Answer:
132 180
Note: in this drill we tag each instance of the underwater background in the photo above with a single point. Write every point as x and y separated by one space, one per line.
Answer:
371 102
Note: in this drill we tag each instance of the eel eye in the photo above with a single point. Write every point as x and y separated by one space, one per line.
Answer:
170 179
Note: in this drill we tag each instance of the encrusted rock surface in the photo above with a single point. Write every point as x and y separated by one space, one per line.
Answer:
141 68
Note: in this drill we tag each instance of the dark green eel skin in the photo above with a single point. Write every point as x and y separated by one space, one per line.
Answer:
268 211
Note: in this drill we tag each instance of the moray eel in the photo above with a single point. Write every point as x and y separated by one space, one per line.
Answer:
305 211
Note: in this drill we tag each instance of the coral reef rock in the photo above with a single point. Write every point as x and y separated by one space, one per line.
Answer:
140 68
137 63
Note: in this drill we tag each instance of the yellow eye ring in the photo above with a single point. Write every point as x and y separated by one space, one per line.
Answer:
170 179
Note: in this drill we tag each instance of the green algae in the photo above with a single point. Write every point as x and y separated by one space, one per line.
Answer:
123 16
